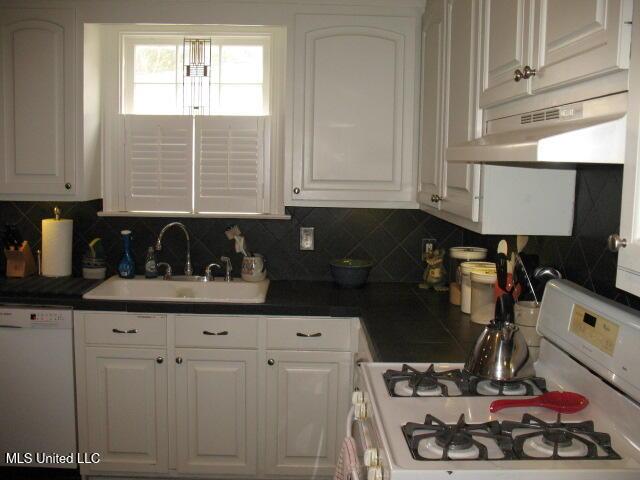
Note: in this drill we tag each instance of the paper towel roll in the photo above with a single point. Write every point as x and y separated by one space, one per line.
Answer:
57 240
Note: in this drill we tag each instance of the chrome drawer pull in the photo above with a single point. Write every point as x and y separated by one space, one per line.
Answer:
10 326
309 335
223 332
132 330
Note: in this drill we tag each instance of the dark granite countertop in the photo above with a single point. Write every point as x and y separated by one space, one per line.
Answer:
403 323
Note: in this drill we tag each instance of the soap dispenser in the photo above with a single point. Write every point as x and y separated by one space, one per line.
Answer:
150 264
126 267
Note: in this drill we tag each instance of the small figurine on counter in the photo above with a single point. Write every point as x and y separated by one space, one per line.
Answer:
435 275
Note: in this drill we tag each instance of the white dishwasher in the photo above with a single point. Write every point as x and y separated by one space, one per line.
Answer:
37 395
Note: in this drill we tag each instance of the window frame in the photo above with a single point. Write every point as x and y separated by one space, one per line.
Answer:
274 71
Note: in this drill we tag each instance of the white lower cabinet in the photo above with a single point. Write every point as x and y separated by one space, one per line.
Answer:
216 411
126 405
306 404
193 395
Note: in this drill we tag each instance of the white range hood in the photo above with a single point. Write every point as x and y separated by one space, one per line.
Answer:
592 131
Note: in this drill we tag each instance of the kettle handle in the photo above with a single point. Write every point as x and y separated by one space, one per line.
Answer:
504 309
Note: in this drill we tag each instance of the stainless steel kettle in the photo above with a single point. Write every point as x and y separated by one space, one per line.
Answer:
501 352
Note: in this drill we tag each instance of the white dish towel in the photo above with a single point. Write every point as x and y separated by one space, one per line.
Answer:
347 465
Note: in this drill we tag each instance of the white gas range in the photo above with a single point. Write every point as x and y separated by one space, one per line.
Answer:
432 421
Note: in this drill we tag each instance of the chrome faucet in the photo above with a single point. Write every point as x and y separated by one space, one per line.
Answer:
208 276
188 270
228 268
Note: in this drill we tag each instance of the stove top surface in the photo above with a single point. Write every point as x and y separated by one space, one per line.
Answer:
428 431
438 380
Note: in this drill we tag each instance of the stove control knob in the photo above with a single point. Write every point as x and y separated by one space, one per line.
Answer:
357 397
371 457
360 411
374 473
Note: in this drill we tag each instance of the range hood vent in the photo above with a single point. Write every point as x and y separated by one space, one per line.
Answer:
592 131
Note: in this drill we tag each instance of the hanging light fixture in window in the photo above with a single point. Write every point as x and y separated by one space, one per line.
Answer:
197 72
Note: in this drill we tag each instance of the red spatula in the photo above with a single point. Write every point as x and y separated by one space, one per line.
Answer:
562 402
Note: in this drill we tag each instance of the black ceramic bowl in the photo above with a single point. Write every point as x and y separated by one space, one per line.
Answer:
350 272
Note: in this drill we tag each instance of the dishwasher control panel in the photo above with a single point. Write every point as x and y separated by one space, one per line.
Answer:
35 317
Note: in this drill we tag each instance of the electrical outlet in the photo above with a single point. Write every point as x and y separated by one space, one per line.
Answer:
306 238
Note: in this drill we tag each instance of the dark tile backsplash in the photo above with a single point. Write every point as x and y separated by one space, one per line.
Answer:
583 257
392 238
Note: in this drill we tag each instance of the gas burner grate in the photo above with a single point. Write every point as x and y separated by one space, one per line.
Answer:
471 385
496 440
456 439
417 381
558 435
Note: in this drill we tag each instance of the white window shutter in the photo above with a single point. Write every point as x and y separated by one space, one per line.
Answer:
158 163
229 164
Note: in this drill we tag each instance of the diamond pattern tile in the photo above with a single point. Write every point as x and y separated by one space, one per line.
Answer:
391 238
583 257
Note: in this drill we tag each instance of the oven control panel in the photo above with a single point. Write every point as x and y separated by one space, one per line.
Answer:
595 329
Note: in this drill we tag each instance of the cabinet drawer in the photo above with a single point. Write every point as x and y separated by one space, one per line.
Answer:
309 333
125 329
216 331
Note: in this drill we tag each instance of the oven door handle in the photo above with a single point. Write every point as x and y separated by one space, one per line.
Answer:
350 420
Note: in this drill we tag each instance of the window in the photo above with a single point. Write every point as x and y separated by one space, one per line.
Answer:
194 130
159 78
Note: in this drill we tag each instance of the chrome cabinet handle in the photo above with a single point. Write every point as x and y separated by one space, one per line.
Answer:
207 332
271 361
436 198
309 335
615 242
67 186
528 72
10 326
296 190
159 359
132 330
179 360
518 75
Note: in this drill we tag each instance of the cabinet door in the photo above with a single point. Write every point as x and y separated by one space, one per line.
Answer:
306 406
354 104
216 411
434 95
628 274
127 408
462 181
580 39
37 106
506 46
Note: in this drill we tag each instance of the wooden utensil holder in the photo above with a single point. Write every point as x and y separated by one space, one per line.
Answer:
20 263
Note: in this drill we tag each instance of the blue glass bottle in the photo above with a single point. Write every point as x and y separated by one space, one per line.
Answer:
126 267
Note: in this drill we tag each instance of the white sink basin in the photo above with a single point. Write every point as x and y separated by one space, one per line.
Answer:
179 290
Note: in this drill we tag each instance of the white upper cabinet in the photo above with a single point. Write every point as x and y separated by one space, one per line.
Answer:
506 40
354 108
434 53
628 273
579 39
37 101
532 46
484 198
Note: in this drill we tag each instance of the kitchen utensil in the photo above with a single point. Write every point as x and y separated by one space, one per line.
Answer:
521 242
501 352
528 279
253 268
561 402
350 272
